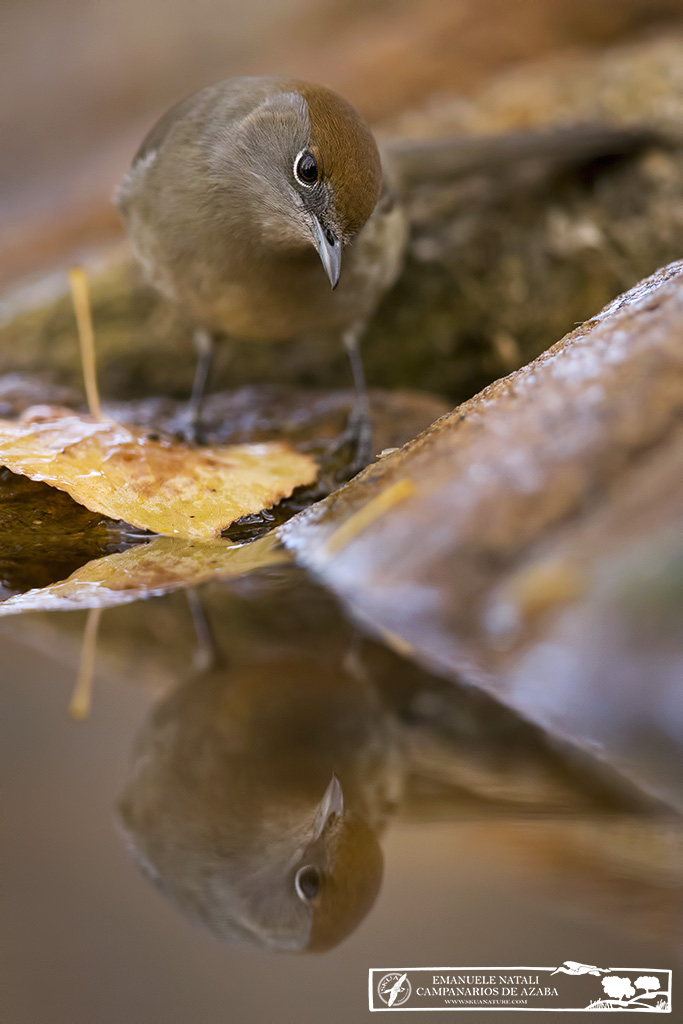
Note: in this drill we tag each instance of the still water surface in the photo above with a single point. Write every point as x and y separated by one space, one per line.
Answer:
498 847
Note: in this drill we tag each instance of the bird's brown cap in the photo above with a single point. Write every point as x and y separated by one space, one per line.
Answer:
347 153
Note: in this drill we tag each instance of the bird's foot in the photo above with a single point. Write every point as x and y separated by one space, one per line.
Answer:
364 449
355 443
188 427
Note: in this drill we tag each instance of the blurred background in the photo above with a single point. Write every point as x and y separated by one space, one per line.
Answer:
81 82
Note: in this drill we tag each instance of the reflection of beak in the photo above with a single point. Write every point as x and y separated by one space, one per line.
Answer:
329 250
331 806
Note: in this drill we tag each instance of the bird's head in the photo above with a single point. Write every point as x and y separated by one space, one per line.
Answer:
314 884
309 169
304 889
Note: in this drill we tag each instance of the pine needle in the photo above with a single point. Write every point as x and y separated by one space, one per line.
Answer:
81 698
78 282
361 519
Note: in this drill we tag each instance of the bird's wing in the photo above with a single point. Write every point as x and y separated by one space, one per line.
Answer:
157 134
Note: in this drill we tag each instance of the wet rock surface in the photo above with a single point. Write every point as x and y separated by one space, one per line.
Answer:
530 541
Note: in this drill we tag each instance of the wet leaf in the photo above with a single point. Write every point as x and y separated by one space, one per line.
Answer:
157 484
45 535
149 570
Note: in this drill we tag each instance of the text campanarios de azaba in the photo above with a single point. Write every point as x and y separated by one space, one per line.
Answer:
486 985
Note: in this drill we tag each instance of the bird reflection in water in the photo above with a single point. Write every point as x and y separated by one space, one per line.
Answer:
259 790
256 799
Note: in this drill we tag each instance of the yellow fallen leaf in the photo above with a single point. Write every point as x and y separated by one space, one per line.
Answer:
149 570
161 485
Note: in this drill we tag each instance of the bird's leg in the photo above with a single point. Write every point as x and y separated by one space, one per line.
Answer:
204 345
360 420
353 662
206 656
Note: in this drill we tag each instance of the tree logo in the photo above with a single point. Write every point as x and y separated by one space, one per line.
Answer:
643 993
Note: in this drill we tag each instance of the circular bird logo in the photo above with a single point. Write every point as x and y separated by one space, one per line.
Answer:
394 989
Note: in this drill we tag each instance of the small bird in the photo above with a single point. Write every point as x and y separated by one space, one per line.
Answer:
244 196
256 798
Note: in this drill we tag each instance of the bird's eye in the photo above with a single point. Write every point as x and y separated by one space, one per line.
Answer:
307 883
306 169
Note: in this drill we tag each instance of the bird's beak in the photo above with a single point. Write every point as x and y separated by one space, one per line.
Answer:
329 250
331 806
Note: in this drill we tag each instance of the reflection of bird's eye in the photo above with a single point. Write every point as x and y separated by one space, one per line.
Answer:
306 169
307 882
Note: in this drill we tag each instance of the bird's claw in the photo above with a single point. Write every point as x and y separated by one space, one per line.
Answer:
357 436
188 427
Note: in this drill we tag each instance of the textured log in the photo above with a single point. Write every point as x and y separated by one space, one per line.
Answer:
530 541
